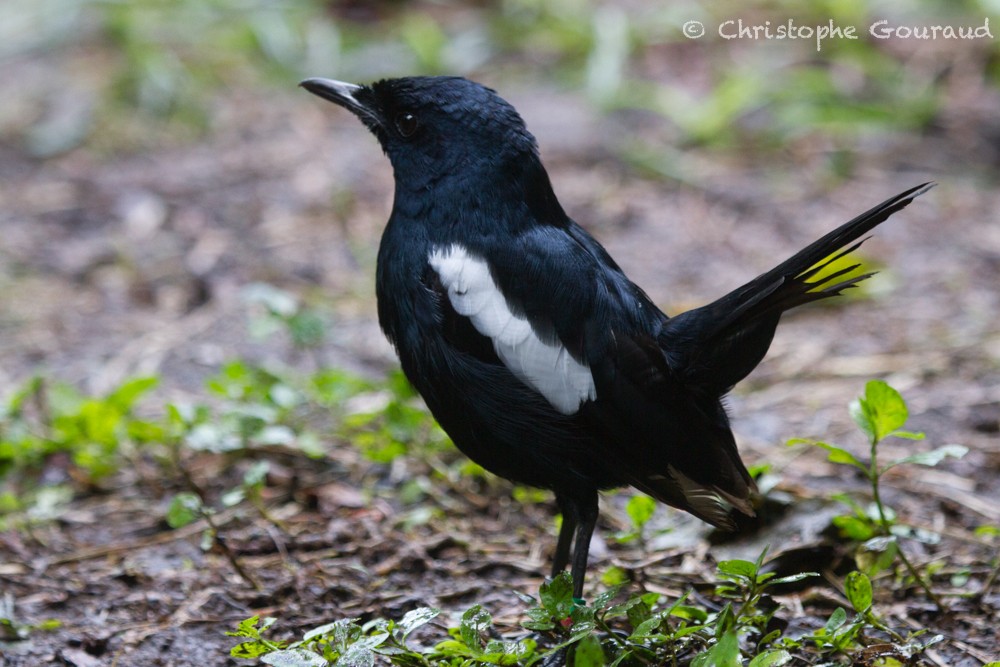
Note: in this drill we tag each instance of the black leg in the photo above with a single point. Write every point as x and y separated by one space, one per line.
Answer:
587 513
579 516
569 523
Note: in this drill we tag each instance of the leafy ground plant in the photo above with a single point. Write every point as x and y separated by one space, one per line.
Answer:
46 426
608 631
881 413
611 630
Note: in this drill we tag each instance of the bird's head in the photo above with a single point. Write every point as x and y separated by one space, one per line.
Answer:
436 128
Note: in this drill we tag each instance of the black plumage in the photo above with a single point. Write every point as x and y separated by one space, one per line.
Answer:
539 357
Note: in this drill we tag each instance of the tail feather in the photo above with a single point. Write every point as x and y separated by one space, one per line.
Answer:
846 233
717 345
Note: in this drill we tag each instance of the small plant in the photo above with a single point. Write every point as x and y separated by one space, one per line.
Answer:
45 424
345 642
745 585
640 509
389 422
283 311
12 629
609 631
881 413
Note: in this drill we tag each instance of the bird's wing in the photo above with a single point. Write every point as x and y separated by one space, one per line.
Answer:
529 350
563 318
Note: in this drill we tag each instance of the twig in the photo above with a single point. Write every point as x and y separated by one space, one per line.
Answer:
990 581
212 527
873 477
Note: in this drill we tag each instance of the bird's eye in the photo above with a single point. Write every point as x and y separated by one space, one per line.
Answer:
407 124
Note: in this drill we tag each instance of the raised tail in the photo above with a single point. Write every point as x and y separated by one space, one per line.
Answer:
717 345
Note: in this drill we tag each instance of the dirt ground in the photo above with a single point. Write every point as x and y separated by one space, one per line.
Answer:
113 265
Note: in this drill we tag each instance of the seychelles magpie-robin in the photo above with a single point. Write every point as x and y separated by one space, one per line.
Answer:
534 351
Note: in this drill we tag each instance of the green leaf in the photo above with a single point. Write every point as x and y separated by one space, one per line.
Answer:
538 619
557 595
772 658
837 619
647 627
185 508
453 647
125 396
738 568
475 621
603 600
792 578
725 621
931 458
908 435
415 618
640 509
689 613
250 650
987 530
360 653
855 528
876 554
835 454
339 631
588 653
246 628
294 657
725 653
582 629
880 412
256 474
638 612
858 588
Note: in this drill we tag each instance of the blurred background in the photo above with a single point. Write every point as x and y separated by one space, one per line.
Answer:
157 156
171 201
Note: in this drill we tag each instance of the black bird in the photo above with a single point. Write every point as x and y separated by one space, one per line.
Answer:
536 354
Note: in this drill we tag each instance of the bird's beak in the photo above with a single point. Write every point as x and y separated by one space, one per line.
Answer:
338 92
348 95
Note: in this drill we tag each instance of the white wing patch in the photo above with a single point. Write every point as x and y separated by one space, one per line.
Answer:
547 367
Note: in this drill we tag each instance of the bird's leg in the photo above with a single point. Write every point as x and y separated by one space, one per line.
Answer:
566 531
581 550
580 516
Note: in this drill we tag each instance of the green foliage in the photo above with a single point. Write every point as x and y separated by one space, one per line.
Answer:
858 588
640 508
344 642
283 311
253 406
41 422
168 59
609 631
745 585
393 423
184 508
253 629
879 414
12 629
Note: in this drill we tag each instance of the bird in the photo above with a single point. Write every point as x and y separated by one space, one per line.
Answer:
530 346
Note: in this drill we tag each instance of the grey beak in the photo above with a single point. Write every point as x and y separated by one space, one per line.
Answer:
338 92
356 99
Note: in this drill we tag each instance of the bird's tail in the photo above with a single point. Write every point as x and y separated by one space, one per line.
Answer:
717 345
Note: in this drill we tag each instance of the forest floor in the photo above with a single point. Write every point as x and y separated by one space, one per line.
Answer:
114 266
